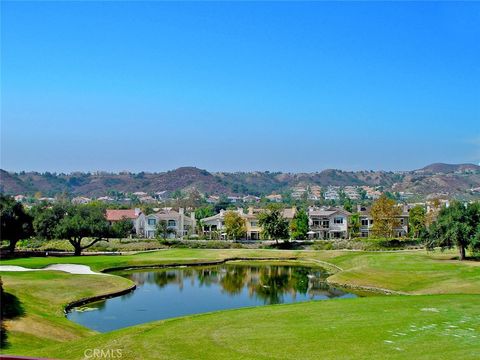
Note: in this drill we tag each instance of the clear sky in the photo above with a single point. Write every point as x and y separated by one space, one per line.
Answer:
239 86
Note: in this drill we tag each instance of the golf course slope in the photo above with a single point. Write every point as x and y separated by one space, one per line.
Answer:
439 318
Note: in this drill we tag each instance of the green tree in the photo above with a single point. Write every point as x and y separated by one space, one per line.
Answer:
16 224
299 225
416 221
347 204
385 214
45 218
362 193
162 230
274 225
354 225
457 225
203 212
81 222
235 226
123 228
147 209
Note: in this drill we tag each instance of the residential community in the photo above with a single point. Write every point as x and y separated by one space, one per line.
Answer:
240 180
323 222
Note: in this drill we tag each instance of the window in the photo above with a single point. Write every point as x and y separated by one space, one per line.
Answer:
364 222
325 224
253 224
338 220
402 222
172 223
316 223
152 221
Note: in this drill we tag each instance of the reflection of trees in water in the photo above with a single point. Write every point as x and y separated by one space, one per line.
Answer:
208 276
269 282
233 280
274 283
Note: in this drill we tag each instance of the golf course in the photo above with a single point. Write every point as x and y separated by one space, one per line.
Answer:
422 305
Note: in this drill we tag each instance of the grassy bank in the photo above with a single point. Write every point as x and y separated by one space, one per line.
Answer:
310 326
400 327
41 297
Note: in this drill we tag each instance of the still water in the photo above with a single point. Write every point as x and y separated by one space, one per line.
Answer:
173 292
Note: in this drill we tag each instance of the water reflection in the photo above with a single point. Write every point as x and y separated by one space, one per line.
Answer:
166 293
269 283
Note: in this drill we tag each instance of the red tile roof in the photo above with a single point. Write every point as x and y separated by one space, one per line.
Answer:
116 215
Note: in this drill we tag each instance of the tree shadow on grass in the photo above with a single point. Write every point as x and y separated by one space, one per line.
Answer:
11 308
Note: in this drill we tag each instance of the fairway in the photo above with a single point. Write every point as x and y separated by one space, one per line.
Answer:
441 321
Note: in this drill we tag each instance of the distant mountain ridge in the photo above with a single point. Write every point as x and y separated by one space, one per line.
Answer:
454 179
442 168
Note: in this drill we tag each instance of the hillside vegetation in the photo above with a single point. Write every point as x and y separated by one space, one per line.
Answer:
456 180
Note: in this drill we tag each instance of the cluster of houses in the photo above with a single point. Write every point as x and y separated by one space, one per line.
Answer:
324 222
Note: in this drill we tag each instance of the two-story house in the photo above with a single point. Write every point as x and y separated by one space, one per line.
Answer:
178 223
366 222
134 215
214 226
328 223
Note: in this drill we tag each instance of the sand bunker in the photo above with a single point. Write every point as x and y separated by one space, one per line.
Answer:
69 268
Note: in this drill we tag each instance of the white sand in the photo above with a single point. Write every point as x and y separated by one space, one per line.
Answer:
69 268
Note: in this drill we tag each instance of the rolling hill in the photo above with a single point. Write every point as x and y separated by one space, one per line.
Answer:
454 180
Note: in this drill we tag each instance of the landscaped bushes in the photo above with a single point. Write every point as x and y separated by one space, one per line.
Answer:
369 244
209 244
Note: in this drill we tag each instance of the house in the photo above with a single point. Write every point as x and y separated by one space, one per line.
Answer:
366 222
178 223
332 193
81 200
251 218
20 198
328 223
147 199
298 192
214 226
135 215
106 199
274 197
213 199
250 199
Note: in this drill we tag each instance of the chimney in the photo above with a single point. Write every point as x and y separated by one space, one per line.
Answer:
250 210
192 215
181 211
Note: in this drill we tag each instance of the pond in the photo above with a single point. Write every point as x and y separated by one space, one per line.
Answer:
173 292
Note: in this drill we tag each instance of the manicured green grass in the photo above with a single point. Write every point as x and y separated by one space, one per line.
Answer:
356 328
43 296
149 258
400 327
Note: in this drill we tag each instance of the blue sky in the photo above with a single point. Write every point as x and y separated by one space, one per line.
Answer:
239 86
